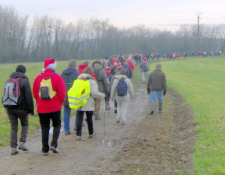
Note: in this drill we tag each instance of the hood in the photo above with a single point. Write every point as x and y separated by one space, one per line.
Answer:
68 71
119 76
84 75
17 75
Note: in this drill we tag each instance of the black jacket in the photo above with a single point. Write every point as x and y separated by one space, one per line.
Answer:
26 98
69 75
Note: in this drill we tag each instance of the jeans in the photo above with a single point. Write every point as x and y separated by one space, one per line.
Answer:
80 115
154 95
14 115
144 75
66 118
44 119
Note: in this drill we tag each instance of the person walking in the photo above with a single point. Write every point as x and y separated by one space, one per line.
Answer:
122 99
88 108
144 69
49 108
20 111
103 85
157 87
69 75
106 63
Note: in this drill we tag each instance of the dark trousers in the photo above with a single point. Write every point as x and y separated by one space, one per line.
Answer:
80 115
14 115
115 103
45 126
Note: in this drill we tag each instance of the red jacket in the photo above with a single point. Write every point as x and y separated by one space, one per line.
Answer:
55 104
81 68
131 65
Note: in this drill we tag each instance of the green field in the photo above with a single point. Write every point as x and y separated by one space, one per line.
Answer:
199 80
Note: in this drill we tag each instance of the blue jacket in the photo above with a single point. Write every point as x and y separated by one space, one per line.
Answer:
69 75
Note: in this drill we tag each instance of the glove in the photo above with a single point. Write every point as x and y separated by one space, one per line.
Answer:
148 90
164 92
32 113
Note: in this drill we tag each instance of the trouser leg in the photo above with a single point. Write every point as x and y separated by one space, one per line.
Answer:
14 128
24 126
119 110
124 106
80 115
89 115
44 119
56 122
66 118
97 106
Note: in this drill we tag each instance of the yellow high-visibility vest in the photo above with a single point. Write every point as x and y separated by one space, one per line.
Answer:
79 93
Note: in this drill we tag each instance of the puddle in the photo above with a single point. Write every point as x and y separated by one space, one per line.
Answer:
113 142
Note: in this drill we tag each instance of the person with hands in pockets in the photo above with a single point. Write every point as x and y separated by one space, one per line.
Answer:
157 87
122 90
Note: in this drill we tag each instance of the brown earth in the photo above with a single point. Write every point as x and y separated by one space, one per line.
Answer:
162 143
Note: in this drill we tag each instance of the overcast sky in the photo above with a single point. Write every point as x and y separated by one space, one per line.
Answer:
160 14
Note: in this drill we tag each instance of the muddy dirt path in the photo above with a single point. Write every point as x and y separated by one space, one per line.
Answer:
157 144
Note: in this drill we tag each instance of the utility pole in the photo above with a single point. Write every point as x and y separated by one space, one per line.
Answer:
198 41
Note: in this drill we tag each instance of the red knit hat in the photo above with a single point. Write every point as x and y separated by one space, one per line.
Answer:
145 59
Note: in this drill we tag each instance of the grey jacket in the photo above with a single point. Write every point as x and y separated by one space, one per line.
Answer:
94 93
103 82
129 86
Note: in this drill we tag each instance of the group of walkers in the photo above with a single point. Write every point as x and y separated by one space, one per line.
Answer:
110 80
51 92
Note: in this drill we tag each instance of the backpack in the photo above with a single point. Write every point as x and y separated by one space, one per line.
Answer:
146 67
127 70
96 72
79 93
11 92
121 87
46 92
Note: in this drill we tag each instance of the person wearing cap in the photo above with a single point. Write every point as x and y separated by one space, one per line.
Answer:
144 69
69 75
20 111
50 109
157 87
103 85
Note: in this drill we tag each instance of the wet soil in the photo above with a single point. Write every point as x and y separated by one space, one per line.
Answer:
162 143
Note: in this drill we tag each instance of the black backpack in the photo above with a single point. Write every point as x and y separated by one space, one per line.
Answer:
121 87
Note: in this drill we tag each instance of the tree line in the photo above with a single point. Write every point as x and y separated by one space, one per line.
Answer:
24 39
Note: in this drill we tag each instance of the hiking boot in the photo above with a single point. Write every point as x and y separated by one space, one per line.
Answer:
97 118
92 135
23 147
79 138
45 154
54 150
14 151
67 133
152 112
